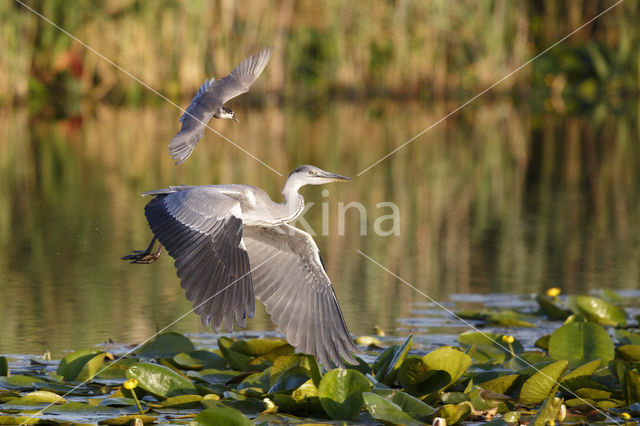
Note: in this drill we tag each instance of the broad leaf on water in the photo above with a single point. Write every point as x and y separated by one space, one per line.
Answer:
489 346
236 360
290 379
580 342
219 414
128 420
4 366
627 337
200 359
505 385
455 413
19 382
542 384
387 365
287 362
548 412
448 359
417 379
166 345
629 352
631 385
115 369
386 411
340 393
160 381
182 401
598 310
37 397
551 308
81 365
585 370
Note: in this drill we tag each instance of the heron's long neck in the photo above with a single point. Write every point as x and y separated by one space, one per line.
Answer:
293 202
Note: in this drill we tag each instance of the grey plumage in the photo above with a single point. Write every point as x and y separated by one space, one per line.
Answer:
231 241
209 102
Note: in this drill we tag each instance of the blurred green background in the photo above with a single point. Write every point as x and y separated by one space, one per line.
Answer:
534 185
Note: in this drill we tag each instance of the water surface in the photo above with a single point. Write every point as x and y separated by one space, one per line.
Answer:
497 200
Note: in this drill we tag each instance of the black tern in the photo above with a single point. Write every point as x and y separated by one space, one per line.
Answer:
209 102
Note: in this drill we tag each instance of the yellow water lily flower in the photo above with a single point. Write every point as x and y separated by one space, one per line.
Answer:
508 339
554 292
130 384
625 416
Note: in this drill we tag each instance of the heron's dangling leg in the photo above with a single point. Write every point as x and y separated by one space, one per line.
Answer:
145 256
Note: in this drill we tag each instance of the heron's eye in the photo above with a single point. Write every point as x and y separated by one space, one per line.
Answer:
311 172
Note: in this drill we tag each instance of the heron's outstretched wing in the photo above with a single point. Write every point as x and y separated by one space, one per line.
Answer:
202 230
297 292
240 79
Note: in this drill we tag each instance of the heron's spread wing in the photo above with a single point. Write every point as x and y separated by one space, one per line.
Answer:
240 79
296 291
202 230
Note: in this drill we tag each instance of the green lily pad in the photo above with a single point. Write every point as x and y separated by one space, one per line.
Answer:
19 382
505 318
199 359
4 366
115 369
585 370
489 346
598 310
417 379
287 362
81 365
219 414
542 384
551 308
182 401
631 385
448 359
629 352
290 379
387 365
38 397
580 342
386 411
543 342
162 382
453 414
548 412
505 385
128 420
166 345
627 337
21 420
340 393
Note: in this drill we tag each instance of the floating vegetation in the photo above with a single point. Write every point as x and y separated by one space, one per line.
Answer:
581 372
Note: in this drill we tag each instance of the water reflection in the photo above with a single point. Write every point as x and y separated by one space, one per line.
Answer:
496 200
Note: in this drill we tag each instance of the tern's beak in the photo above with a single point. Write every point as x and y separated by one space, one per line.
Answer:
337 178
235 118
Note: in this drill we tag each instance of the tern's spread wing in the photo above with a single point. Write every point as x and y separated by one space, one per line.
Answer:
194 121
240 79
296 291
211 96
202 230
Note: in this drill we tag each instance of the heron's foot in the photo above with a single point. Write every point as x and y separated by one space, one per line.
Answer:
143 256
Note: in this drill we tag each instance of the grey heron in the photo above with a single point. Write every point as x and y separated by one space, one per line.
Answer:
209 102
231 242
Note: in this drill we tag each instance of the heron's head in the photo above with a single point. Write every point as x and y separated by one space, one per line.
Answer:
311 175
228 113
